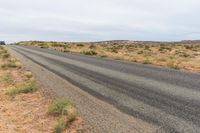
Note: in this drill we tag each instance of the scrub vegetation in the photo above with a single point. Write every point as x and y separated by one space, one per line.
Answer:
66 113
25 88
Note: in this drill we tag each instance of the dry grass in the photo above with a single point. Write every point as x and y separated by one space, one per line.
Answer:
60 126
180 55
28 74
6 79
25 88
91 52
66 113
9 62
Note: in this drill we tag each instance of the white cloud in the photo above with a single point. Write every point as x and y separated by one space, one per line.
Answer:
89 20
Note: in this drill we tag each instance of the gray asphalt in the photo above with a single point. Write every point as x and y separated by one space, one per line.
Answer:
167 98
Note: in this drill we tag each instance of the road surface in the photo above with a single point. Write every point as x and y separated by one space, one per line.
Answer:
163 98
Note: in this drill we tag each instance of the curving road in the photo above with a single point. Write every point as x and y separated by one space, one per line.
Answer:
168 99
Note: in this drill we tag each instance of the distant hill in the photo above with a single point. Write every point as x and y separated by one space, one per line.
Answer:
125 42
128 42
191 41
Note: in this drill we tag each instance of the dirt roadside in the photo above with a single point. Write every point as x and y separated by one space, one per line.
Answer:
24 112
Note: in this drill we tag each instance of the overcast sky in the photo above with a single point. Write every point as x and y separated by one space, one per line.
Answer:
94 20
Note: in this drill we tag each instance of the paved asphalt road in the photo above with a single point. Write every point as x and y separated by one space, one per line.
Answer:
167 98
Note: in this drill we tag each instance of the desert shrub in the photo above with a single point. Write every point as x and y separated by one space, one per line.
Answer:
79 45
103 56
164 48
146 61
174 65
28 74
161 49
146 53
2 49
91 52
60 126
188 47
25 88
114 50
185 55
66 46
8 79
11 65
12 59
5 55
43 45
57 107
66 50
161 59
66 111
57 45
182 54
140 52
92 46
146 47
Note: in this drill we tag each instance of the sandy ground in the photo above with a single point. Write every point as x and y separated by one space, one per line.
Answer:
25 113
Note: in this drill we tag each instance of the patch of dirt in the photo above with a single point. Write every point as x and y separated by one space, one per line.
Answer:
25 113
